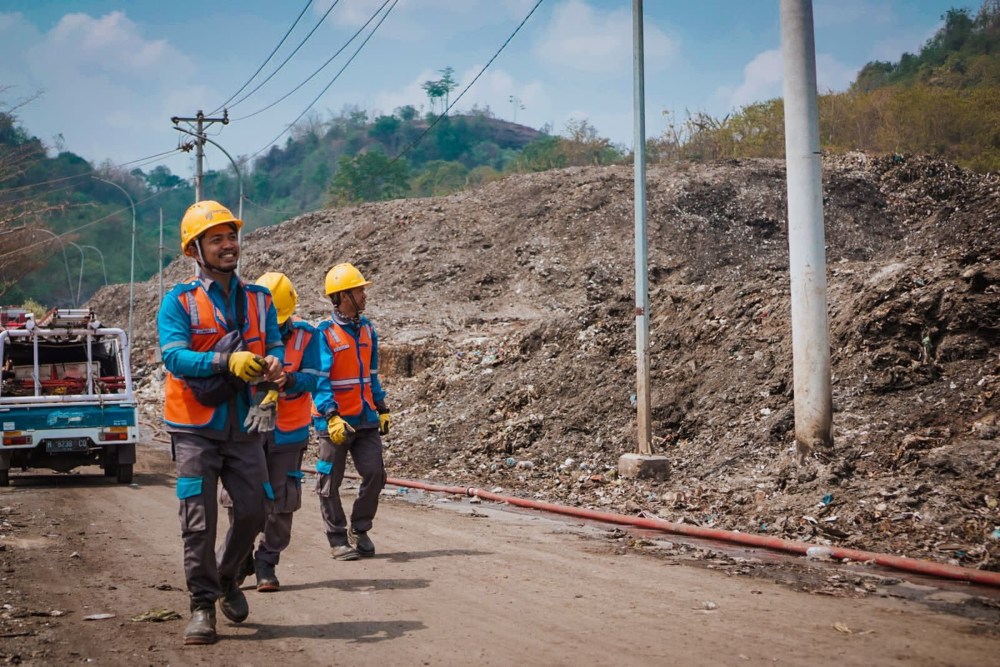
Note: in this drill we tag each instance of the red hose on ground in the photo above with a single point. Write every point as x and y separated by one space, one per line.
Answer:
940 570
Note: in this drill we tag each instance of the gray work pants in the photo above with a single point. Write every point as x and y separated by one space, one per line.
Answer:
284 469
365 448
241 467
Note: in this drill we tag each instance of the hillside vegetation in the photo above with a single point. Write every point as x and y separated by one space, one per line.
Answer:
943 101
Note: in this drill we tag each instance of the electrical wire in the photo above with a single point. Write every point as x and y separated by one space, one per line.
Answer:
87 175
321 68
289 57
266 60
413 143
335 77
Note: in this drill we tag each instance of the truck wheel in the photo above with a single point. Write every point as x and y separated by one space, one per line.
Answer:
110 469
124 473
4 477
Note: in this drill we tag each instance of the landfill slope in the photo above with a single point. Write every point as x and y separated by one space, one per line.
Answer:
507 329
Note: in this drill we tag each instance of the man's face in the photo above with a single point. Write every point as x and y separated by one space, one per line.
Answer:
347 305
220 246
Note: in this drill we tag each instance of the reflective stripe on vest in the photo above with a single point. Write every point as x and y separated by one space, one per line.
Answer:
295 411
350 370
208 325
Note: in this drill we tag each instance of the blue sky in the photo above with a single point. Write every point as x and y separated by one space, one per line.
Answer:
111 73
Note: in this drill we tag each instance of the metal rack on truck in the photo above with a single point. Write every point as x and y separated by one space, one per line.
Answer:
66 398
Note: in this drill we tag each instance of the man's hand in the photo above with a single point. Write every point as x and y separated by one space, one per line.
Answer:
383 421
273 368
247 366
338 430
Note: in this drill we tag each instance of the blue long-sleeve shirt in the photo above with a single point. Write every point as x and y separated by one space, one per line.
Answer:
323 396
174 326
301 381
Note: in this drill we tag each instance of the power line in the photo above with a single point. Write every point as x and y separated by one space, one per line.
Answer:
266 61
465 90
87 175
321 68
335 77
289 57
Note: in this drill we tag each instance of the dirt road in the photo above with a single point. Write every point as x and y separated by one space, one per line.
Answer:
453 583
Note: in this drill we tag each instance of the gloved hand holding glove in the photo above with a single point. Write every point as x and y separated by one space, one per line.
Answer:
264 412
383 419
247 366
338 429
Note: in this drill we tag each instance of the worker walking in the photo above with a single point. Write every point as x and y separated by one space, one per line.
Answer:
352 414
288 443
217 336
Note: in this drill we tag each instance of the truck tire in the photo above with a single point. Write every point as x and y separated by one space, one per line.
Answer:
124 473
4 477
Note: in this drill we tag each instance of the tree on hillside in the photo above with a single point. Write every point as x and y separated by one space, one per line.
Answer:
25 244
441 88
369 176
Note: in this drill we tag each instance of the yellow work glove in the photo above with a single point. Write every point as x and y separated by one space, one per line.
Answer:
383 422
338 430
247 366
264 412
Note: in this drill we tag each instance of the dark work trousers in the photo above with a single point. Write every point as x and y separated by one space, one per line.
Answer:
365 447
241 467
284 469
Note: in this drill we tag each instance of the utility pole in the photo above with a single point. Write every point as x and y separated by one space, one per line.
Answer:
200 123
806 242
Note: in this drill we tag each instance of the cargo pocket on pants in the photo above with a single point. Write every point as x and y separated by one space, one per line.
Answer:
291 498
324 480
192 506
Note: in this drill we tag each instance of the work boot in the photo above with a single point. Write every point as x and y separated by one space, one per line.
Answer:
245 570
234 604
267 581
363 543
201 629
342 549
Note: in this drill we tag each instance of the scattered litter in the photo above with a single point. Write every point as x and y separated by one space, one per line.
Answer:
156 616
98 617
840 627
819 553
75 554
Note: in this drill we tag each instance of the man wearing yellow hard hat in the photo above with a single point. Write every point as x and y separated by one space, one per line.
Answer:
291 434
352 414
220 344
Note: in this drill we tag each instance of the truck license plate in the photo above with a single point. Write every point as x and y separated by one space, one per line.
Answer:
66 445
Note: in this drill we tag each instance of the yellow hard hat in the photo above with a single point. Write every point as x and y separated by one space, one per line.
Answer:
344 277
203 215
283 293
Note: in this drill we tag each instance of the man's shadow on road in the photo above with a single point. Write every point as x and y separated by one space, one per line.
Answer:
357 632
362 585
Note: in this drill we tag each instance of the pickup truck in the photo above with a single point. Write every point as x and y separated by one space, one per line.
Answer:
66 397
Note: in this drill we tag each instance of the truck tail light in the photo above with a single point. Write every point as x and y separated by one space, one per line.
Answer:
114 433
15 438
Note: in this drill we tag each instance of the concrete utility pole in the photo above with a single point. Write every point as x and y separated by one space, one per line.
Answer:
201 123
643 464
806 245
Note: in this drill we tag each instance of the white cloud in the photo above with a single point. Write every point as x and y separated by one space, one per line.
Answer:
584 38
110 45
761 81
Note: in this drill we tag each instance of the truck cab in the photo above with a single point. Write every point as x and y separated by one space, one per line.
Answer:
66 397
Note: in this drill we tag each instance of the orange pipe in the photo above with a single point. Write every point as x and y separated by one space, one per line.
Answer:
929 568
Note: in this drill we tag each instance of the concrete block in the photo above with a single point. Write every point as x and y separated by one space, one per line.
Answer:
644 466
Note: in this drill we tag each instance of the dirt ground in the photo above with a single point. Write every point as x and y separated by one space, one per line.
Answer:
506 320
85 561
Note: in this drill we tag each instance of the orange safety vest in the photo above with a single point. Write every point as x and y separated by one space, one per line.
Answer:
350 371
295 411
208 325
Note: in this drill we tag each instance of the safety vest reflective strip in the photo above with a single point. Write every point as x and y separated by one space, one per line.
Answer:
180 407
350 369
295 412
